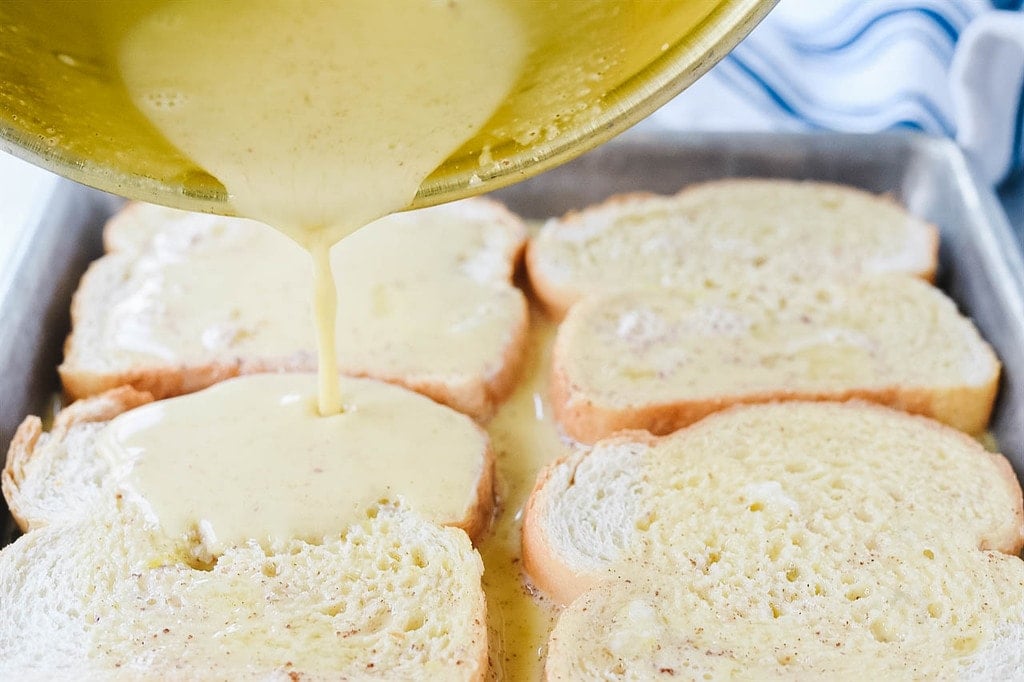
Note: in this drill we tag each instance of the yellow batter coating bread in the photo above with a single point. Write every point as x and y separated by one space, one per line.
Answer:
184 300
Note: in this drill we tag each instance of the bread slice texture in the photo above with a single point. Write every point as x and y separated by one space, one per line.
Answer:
53 477
182 301
660 360
105 596
97 587
652 629
724 231
782 541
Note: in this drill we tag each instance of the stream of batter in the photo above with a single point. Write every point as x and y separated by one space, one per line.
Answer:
320 117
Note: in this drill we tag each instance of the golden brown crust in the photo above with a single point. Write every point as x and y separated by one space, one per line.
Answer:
100 408
933 255
967 407
1013 542
160 381
542 564
479 398
550 575
18 456
478 518
964 408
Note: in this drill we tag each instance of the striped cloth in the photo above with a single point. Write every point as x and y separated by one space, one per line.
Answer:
944 67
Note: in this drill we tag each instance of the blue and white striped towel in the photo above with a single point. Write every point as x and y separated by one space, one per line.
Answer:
945 67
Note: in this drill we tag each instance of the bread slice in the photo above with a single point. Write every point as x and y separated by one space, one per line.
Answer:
53 477
98 587
722 232
106 596
660 360
652 628
184 300
782 541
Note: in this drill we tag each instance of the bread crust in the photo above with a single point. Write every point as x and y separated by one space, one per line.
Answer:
20 452
102 408
1012 542
966 408
556 300
23 446
477 520
545 570
478 398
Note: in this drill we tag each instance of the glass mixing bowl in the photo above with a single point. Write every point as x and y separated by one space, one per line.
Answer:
595 68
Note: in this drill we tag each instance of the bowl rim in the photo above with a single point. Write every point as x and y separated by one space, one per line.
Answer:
676 68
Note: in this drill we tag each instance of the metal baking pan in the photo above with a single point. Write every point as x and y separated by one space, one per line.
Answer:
980 265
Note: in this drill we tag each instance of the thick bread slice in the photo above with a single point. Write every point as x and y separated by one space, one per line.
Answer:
185 300
834 472
722 232
105 596
53 477
796 540
49 476
652 628
659 360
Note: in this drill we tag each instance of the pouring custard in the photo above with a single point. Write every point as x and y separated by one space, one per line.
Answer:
321 117
318 118
388 90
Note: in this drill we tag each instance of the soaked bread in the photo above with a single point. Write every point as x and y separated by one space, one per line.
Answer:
659 360
183 300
